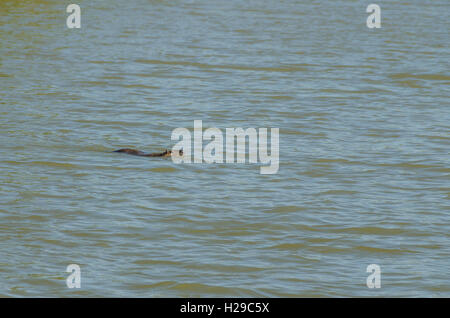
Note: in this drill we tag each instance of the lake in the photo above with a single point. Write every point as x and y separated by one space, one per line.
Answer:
364 138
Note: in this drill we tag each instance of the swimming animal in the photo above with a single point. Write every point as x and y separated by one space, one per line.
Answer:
166 153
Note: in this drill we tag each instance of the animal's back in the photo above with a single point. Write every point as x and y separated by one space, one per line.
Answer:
131 152
134 152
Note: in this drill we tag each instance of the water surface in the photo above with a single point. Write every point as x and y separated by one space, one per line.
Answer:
364 148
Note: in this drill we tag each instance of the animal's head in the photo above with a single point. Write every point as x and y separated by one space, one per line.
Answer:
167 153
177 153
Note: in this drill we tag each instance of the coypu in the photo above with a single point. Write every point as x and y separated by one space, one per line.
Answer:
167 153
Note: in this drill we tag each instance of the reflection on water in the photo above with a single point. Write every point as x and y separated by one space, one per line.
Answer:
364 148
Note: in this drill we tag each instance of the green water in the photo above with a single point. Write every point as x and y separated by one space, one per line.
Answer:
364 172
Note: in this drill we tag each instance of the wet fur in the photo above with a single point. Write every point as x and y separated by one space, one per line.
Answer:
134 152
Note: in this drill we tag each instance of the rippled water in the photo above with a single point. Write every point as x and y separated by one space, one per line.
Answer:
364 148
